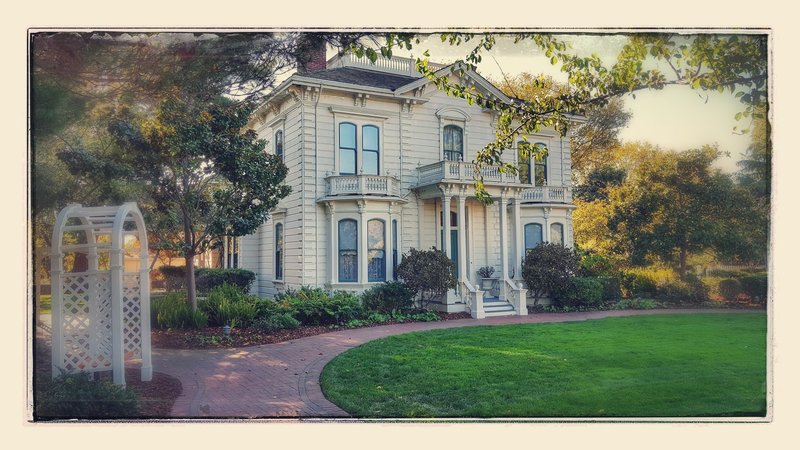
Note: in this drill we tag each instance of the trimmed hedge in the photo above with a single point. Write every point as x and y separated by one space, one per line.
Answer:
74 396
208 279
388 297
174 277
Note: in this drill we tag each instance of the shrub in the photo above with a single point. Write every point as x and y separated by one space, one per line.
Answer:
388 297
429 273
549 268
174 277
276 322
75 396
486 272
594 265
635 303
688 290
227 305
208 279
173 311
581 291
611 288
730 288
644 282
756 286
316 307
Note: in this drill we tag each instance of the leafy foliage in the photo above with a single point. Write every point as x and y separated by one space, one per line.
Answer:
730 288
208 279
314 306
430 273
74 396
388 297
580 291
549 268
174 277
276 322
173 311
756 286
228 305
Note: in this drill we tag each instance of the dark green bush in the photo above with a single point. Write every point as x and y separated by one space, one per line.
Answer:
635 303
756 286
429 273
174 311
75 396
549 268
730 288
612 290
688 290
208 279
174 277
388 297
314 306
581 291
227 305
276 322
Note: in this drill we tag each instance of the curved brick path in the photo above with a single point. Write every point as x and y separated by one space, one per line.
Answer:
282 380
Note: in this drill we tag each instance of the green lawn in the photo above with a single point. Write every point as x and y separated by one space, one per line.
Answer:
643 366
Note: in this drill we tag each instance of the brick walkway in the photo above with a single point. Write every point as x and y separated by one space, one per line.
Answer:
282 380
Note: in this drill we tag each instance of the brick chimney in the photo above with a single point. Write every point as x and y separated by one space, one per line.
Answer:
311 53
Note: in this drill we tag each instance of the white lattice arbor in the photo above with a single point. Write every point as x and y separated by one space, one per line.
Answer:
100 290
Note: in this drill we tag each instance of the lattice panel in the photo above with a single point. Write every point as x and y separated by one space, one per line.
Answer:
86 325
132 314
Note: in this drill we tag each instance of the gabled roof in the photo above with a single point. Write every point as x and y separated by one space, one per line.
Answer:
362 77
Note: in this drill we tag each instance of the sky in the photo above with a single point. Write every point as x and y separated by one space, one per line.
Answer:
675 118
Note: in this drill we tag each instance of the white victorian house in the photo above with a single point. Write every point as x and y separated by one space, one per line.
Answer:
380 162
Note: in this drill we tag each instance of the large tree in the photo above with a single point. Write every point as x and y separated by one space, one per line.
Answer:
206 173
675 205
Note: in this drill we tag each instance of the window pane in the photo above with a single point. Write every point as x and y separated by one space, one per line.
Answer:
541 174
453 143
394 249
375 233
557 233
370 141
348 250
348 235
533 235
347 162
369 163
524 162
376 267
279 251
347 135
279 143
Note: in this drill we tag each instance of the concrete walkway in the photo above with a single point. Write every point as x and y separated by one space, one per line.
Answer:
282 380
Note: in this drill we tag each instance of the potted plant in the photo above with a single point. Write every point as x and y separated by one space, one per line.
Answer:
486 273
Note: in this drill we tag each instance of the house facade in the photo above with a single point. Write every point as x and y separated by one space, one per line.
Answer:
380 162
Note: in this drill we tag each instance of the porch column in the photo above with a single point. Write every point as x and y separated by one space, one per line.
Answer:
462 237
445 218
503 238
362 242
519 242
332 266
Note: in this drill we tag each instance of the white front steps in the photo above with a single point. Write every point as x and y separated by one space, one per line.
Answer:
494 307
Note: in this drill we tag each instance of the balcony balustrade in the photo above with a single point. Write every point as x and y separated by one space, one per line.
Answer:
379 185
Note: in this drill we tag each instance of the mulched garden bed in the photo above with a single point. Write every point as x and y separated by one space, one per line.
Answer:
212 337
155 397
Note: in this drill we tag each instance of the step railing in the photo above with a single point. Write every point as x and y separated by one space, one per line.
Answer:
474 299
516 295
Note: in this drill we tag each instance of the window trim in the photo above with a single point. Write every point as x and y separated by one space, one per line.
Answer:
383 249
282 142
339 250
524 235
360 121
377 150
340 148
279 252
550 235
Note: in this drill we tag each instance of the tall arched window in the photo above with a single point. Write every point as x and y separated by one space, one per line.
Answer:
279 144
533 236
279 251
394 250
557 233
453 143
370 143
524 162
376 250
540 166
347 148
348 250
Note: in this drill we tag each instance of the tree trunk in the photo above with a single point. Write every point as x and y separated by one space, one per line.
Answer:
682 263
191 290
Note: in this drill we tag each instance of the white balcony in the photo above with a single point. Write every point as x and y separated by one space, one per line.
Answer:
374 185
547 194
464 172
